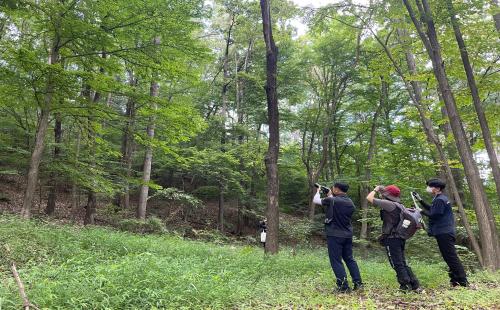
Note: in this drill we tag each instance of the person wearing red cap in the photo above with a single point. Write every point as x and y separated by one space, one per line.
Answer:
393 243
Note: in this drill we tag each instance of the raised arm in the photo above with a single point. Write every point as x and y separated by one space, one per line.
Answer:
371 195
317 198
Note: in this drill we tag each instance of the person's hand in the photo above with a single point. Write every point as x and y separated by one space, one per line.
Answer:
416 196
378 188
318 189
330 193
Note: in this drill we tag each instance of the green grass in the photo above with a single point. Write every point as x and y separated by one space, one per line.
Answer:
66 267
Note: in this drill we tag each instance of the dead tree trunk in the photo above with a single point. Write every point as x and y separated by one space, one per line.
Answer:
484 214
271 160
471 81
148 158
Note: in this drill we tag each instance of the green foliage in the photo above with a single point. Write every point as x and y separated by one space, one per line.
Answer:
72 268
178 196
295 231
207 192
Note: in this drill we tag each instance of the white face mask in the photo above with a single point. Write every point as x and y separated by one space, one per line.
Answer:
429 190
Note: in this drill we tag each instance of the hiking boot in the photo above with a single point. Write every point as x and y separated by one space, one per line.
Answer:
358 286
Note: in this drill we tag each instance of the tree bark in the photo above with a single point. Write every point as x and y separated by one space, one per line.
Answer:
471 81
148 158
484 214
271 159
43 123
51 201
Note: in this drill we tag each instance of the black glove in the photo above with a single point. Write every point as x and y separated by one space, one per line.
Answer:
416 196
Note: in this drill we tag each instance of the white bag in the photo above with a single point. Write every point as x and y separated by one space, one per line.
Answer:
263 236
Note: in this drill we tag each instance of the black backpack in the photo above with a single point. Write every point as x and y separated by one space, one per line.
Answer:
410 220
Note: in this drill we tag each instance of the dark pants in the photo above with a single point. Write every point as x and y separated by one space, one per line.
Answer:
395 248
446 243
338 249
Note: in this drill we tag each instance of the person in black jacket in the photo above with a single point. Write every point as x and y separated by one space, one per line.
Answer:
394 244
338 230
442 227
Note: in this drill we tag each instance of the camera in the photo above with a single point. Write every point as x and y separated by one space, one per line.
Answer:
323 189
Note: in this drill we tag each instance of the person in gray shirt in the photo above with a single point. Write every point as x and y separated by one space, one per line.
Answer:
393 243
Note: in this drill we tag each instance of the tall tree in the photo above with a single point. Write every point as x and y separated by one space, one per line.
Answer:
484 214
271 159
148 157
43 123
471 81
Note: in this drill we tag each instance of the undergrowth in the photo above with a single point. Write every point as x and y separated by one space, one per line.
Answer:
69 267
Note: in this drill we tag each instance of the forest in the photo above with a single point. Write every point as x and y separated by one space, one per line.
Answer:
142 142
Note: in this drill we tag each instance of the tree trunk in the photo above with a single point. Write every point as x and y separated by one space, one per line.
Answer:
220 214
240 90
484 214
43 123
451 150
148 158
471 81
90 208
74 187
128 145
51 202
371 151
271 159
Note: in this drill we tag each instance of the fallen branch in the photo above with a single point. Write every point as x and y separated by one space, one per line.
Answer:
26 302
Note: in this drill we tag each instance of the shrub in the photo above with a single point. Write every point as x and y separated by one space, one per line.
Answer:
152 225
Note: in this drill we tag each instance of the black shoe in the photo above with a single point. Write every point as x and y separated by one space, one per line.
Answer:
342 290
358 286
460 283
405 288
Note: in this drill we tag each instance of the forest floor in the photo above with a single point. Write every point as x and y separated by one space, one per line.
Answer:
74 267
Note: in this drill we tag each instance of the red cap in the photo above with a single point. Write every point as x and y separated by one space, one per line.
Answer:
392 190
